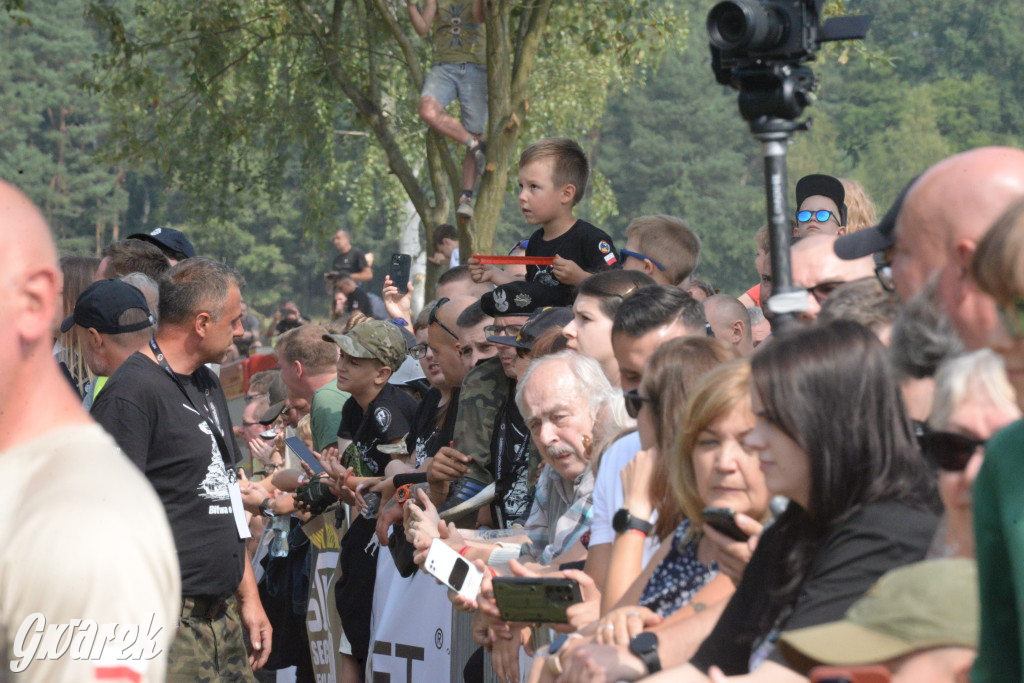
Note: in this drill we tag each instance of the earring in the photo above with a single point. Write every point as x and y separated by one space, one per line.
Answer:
586 442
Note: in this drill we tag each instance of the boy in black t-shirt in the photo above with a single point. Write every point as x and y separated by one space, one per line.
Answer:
553 177
376 416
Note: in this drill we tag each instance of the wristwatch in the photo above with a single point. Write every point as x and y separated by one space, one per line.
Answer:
623 521
265 507
645 646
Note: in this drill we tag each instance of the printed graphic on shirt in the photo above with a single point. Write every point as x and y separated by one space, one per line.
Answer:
451 24
214 485
383 418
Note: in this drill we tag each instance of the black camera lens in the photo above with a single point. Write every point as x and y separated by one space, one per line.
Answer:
746 25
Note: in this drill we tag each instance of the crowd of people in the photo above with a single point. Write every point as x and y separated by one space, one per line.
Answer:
841 491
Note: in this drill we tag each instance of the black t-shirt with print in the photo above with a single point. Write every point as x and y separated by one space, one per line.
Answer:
389 417
428 433
510 467
352 262
163 433
589 246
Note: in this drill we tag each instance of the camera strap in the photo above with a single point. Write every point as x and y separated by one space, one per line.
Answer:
208 412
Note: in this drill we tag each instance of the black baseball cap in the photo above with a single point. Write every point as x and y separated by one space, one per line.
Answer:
826 186
102 303
518 298
172 242
876 238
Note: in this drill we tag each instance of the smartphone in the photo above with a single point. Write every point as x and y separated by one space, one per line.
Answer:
453 570
871 673
532 600
724 520
399 272
303 453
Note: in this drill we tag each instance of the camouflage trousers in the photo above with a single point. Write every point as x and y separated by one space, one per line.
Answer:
209 646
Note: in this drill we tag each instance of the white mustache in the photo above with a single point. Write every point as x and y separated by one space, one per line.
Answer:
559 449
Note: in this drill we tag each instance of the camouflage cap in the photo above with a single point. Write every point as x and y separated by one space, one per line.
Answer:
381 340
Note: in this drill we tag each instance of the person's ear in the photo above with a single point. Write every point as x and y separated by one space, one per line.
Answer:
300 370
568 194
382 376
202 322
95 338
38 297
737 332
842 230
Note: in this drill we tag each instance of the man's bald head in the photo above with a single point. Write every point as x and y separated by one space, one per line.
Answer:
944 216
730 321
817 269
957 199
27 238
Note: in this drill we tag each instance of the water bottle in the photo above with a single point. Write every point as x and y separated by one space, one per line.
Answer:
279 528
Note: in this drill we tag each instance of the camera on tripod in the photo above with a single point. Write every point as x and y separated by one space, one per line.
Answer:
758 46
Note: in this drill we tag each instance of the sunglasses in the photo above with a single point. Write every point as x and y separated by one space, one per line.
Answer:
418 351
822 291
634 401
1011 315
641 257
502 330
521 244
883 271
820 216
433 316
950 451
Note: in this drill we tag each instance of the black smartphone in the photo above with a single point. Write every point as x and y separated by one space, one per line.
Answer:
535 600
303 453
724 520
401 264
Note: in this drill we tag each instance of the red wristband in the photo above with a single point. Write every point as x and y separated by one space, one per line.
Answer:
462 551
491 570
637 531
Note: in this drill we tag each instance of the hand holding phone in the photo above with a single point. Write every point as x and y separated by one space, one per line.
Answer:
539 599
724 520
401 265
453 570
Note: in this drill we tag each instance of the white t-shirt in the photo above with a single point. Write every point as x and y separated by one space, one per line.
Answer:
84 537
608 494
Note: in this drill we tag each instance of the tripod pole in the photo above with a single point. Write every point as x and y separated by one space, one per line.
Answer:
786 300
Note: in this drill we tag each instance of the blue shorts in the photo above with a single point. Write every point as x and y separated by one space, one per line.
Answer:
466 82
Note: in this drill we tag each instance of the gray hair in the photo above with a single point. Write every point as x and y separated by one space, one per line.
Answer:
149 289
194 285
604 401
756 315
922 335
979 376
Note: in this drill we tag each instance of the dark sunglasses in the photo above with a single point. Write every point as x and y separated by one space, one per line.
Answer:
820 216
641 257
433 316
950 451
418 351
502 330
883 271
634 401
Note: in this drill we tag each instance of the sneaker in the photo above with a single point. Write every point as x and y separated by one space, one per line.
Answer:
465 496
479 158
465 207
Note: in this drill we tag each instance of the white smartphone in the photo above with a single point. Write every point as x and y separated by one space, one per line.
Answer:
453 570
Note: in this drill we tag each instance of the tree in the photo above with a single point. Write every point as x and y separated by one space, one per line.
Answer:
51 126
221 95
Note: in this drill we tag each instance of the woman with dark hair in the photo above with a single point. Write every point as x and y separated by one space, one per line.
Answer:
597 299
832 437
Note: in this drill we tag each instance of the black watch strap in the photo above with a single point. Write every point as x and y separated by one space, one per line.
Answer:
265 507
623 521
645 646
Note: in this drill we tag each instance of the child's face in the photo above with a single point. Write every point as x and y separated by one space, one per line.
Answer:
539 199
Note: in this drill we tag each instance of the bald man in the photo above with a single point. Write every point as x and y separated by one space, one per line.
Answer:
944 216
118 568
730 321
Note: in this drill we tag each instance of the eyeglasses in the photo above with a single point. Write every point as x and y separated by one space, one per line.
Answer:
820 216
950 451
883 271
502 330
821 291
634 401
433 316
418 351
1012 317
250 424
641 257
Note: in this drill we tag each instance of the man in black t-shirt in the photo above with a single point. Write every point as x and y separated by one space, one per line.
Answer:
356 298
168 414
350 259
377 415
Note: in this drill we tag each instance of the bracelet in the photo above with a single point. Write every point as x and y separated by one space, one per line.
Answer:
638 532
345 480
462 551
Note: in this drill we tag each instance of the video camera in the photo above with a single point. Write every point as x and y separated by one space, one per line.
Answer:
758 46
